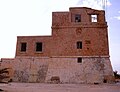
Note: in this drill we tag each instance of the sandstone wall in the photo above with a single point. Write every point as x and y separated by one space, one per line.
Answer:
7 63
66 33
57 61
91 70
66 69
28 69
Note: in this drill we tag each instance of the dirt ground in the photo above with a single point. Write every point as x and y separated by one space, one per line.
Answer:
39 87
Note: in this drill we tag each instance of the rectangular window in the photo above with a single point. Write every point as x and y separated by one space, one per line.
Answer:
79 60
23 47
94 18
39 46
79 45
77 18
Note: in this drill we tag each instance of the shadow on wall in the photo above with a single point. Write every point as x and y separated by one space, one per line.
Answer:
4 74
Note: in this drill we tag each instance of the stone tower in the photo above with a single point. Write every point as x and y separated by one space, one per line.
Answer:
77 51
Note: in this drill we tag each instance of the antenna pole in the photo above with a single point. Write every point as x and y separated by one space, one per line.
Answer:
104 4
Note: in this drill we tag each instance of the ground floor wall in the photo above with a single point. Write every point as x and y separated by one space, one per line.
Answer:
90 70
27 69
60 69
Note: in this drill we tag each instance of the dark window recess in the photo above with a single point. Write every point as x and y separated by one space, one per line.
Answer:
79 60
77 18
39 46
23 47
79 45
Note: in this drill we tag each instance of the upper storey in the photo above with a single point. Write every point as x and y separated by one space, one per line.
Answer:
79 16
80 32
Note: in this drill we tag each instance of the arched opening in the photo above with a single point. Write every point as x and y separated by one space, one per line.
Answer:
55 79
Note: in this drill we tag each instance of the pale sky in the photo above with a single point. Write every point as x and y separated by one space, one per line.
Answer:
33 17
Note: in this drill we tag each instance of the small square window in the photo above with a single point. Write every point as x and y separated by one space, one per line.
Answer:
77 18
93 18
23 47
79 60
79 45
39 46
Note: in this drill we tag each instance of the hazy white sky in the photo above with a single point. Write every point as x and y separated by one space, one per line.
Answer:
33 17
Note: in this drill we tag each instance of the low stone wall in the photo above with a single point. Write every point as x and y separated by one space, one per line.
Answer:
7 63
28 69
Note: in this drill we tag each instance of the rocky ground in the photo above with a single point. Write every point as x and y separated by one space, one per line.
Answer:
38 87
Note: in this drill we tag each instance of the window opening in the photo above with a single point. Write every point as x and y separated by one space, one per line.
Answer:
39 46
55 79
23 47
77 18
79 45
94 18
79 60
